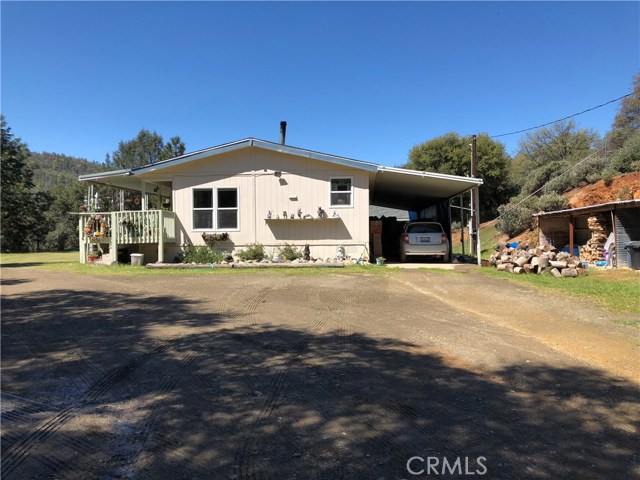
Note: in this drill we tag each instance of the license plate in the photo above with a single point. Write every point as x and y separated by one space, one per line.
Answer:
425 239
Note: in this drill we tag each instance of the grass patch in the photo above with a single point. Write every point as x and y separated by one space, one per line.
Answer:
616 290
69 262
489 238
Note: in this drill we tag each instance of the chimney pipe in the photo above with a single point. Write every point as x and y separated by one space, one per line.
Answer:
283 132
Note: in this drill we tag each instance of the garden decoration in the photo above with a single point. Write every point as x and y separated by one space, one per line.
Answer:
306 253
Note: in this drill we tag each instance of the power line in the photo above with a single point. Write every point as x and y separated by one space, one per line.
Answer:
564 118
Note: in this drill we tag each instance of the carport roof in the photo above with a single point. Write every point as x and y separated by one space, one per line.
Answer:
388 186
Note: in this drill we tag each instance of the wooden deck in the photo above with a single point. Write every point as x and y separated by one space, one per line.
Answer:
126 228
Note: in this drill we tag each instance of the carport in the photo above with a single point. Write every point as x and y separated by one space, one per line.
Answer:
426 193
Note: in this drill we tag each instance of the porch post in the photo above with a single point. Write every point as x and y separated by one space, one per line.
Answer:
144 196
83 253
113 246
161 237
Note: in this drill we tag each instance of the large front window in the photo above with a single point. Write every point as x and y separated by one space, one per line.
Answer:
215 209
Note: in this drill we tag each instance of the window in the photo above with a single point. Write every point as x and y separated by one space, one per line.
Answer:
341 192
219 215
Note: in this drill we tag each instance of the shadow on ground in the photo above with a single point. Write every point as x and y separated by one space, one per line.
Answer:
158 387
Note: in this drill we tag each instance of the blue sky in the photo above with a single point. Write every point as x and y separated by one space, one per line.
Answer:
363 80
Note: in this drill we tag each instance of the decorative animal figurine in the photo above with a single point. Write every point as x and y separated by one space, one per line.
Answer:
321 213
306 253
299 213
308 215
269 214
292 217
340 255
336 214
284 215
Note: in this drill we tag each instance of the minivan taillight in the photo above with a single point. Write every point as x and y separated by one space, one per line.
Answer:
444 238
405 237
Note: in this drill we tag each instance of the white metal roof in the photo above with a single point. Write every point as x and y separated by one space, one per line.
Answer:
388 186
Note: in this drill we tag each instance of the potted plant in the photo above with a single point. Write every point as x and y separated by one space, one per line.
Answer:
95 229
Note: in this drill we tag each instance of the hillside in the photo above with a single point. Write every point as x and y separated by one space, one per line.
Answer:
53 169
623 187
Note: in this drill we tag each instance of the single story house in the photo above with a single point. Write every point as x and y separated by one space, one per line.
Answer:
256 191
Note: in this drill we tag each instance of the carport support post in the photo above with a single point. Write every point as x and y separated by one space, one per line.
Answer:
477 223
461 226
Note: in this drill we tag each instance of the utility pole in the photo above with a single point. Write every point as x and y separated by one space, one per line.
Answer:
474 207
475 233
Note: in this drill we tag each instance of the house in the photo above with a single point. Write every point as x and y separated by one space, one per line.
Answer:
257 191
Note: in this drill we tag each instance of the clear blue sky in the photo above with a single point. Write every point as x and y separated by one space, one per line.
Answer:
362 80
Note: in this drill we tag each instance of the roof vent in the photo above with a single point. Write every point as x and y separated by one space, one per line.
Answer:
283 132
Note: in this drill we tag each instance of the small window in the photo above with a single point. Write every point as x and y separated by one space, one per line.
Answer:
341 192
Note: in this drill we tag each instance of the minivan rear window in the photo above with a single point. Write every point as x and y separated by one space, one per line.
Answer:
424 228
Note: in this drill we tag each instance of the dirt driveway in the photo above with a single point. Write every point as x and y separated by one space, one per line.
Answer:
335 376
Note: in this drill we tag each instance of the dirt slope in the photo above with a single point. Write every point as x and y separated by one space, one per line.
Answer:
624 187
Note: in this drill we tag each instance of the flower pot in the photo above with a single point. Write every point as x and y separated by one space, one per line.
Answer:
92 258
379 261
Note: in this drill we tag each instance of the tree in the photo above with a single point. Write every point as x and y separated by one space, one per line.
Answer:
627 120
18 203
450 153
548 152
173 148
148 147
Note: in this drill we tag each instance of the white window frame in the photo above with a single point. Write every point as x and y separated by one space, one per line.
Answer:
351 192
214 209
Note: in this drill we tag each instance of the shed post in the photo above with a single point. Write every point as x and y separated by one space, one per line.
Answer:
571 228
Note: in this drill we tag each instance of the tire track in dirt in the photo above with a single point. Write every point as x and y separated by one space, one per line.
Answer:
19 450
245 465
248 308
128 459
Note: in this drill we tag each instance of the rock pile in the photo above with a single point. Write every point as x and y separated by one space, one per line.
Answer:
522 260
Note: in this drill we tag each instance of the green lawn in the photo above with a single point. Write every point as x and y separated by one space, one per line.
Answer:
69 262
489 238
617 290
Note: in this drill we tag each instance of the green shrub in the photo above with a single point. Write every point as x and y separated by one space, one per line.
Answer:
551 202
514 219
289 252
200 254
254 251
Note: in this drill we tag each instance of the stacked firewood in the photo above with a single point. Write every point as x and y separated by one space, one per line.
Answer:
523 259
593 250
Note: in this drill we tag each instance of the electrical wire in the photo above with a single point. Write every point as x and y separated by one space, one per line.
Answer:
561 119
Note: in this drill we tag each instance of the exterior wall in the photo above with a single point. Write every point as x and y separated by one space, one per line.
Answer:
627 230
303 184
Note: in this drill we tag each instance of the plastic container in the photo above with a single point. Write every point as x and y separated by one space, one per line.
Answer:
137 259
634 254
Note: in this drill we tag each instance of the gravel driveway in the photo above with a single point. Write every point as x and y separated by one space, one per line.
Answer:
333 376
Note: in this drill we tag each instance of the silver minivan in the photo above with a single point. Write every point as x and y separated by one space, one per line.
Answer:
424 239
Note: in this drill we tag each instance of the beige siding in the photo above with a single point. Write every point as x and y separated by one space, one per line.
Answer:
304 183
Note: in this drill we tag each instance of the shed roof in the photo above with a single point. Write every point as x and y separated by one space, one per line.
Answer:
388 186
601 207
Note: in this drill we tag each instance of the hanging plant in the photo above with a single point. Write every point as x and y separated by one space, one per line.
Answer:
211 238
